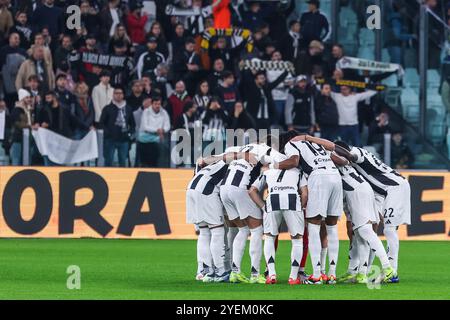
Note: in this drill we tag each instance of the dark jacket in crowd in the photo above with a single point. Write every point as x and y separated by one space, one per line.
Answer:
108 120
228 97
315 26
59 120
244 121
49 17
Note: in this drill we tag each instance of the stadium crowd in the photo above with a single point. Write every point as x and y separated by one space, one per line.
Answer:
138 70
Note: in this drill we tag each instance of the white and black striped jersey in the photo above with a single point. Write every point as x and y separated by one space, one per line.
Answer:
312 156
207 180
379 175
351 179
282 187
241 173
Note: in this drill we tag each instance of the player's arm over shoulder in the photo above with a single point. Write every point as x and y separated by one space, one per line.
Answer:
293 158
255 190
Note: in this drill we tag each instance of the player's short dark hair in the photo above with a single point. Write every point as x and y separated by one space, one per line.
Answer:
286 137
342 144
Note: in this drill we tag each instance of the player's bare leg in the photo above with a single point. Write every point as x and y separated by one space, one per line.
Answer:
239 244
324 251
255 249
314 248
333 247
372 254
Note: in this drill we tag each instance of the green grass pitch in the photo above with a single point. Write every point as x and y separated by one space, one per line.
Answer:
165 269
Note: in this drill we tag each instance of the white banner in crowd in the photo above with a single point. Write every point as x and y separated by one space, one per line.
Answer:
62 150
363 64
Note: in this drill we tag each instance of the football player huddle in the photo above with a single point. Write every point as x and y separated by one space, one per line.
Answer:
306 182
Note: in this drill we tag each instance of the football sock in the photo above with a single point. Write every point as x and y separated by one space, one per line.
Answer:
353 258
376 246
238 248
314 247
333 248
296 255
203 250
363 253
393 245
231 234
323 260
255 249
218 249
269 253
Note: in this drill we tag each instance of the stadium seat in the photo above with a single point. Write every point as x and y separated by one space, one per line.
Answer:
448 143
366 37
410 105
391 81
411 77
385 57
366 53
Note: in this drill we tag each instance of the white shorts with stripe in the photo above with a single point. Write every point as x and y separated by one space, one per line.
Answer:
325 195
397 205
202 208
238 204
295 222
361 206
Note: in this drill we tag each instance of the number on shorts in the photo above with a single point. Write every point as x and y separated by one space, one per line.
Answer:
391 213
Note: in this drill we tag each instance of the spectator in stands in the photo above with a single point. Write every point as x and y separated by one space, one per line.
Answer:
222 50
157 32
215 75
109 17
280 93
378 128
124 72
55 117
327 115
401 155
215 120
102 94
227 92
150 59
202 97
186 66
347 105
137 114
63 51
33 88
137 96
188 119
50 17
147 84
84 111
299 111
40 41
292 43
176 101
159 78
120 36
22 116
314 24
240 118
89 17
136 21
179 39
307 60
254 17
65 97
155 123
6 119
6 19
37 65
118 124
23 28
258 97
11 58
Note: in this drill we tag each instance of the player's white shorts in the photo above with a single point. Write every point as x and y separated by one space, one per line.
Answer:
238 204
202 208
397 205
324 195
361 206
295 222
